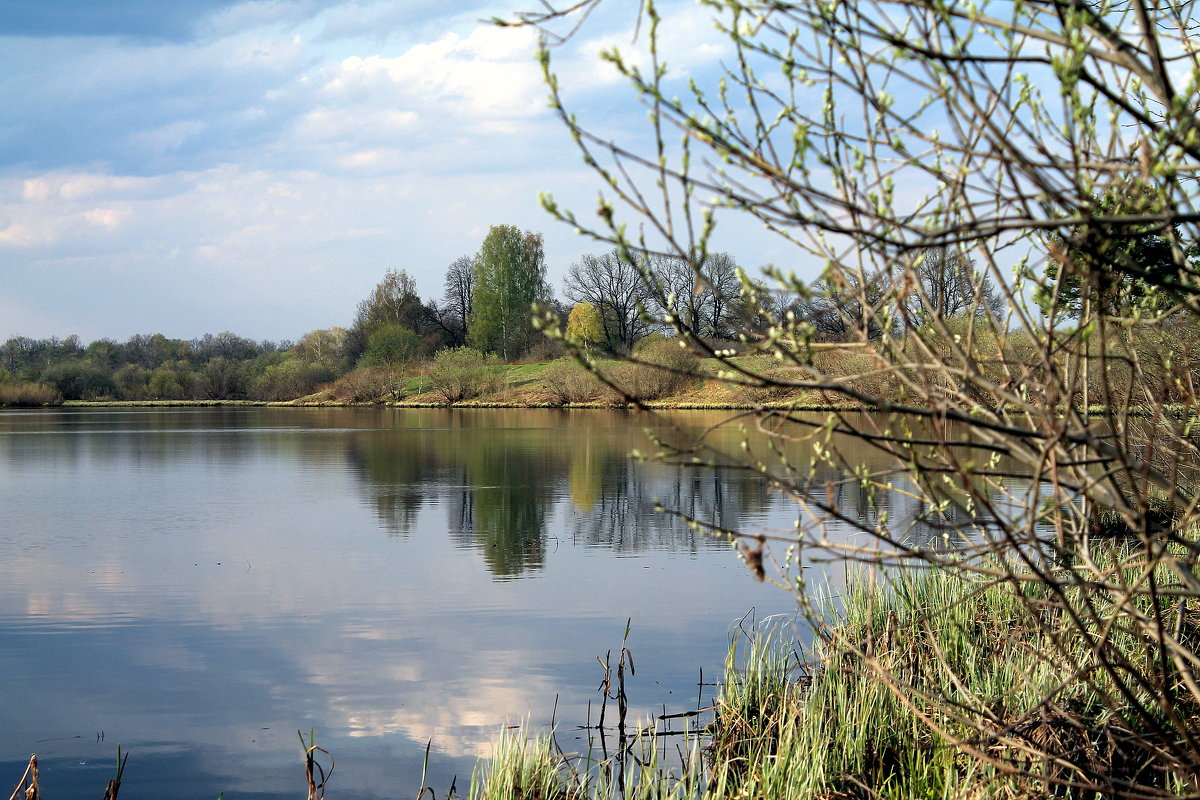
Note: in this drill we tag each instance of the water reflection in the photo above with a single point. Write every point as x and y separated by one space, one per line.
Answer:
200 583
500 484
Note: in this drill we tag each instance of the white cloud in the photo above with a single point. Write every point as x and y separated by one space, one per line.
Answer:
21 235
104 217
486 74
688 42
226 167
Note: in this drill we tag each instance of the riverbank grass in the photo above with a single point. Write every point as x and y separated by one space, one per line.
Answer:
937 687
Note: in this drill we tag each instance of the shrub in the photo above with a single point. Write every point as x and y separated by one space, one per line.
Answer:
390 344
768 369
461 373
29 395
290 379
661 368
568 382
362 385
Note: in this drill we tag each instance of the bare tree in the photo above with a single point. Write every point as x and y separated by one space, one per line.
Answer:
844 308
701 294
456 308
886 138
946 284
615 287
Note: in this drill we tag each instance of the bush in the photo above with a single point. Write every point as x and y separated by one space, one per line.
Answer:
567 382
29 395
290 379
388 345
363 385
461 373
769 369
667 369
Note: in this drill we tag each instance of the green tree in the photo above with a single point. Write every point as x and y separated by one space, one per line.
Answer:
390 345
393 300
1116 263
324 345
80 380
510 276
222 379
164 385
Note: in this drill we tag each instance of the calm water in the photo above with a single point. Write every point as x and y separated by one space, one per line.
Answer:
196 585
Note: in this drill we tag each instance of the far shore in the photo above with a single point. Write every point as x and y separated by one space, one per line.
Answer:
657 405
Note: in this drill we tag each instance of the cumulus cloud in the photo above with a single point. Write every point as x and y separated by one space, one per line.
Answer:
262 174
688 43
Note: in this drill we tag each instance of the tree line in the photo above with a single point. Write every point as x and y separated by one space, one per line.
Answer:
614 300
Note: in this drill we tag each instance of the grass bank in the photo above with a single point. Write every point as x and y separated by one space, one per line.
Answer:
558 384
936 688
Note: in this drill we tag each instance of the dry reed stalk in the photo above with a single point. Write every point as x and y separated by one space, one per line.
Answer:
27 788
314 773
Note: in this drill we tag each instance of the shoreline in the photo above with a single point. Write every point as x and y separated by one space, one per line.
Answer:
657 405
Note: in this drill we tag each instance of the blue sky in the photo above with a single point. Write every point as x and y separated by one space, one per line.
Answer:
192 166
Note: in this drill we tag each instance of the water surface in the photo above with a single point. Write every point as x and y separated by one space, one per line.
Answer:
198 584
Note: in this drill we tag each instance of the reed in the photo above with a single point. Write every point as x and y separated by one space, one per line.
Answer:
884 704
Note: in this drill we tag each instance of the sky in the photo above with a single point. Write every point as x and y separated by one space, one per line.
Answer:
195 166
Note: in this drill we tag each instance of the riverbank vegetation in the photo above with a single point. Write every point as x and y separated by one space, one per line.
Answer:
1001 200
863 712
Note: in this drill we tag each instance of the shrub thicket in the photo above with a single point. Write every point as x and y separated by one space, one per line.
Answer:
462 373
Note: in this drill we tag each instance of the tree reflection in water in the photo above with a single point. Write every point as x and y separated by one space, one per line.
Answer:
504 475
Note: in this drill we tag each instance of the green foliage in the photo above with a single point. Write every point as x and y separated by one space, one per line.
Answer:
1118 265
510 276
463 373
325 345
131 380
290 379
222 379
523 767
389 345
80 380
868 135
393 301
164 385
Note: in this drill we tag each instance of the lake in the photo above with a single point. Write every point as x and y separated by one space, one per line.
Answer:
196 585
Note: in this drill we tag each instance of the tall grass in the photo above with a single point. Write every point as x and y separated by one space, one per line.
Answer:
523 767
29 395
884 704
